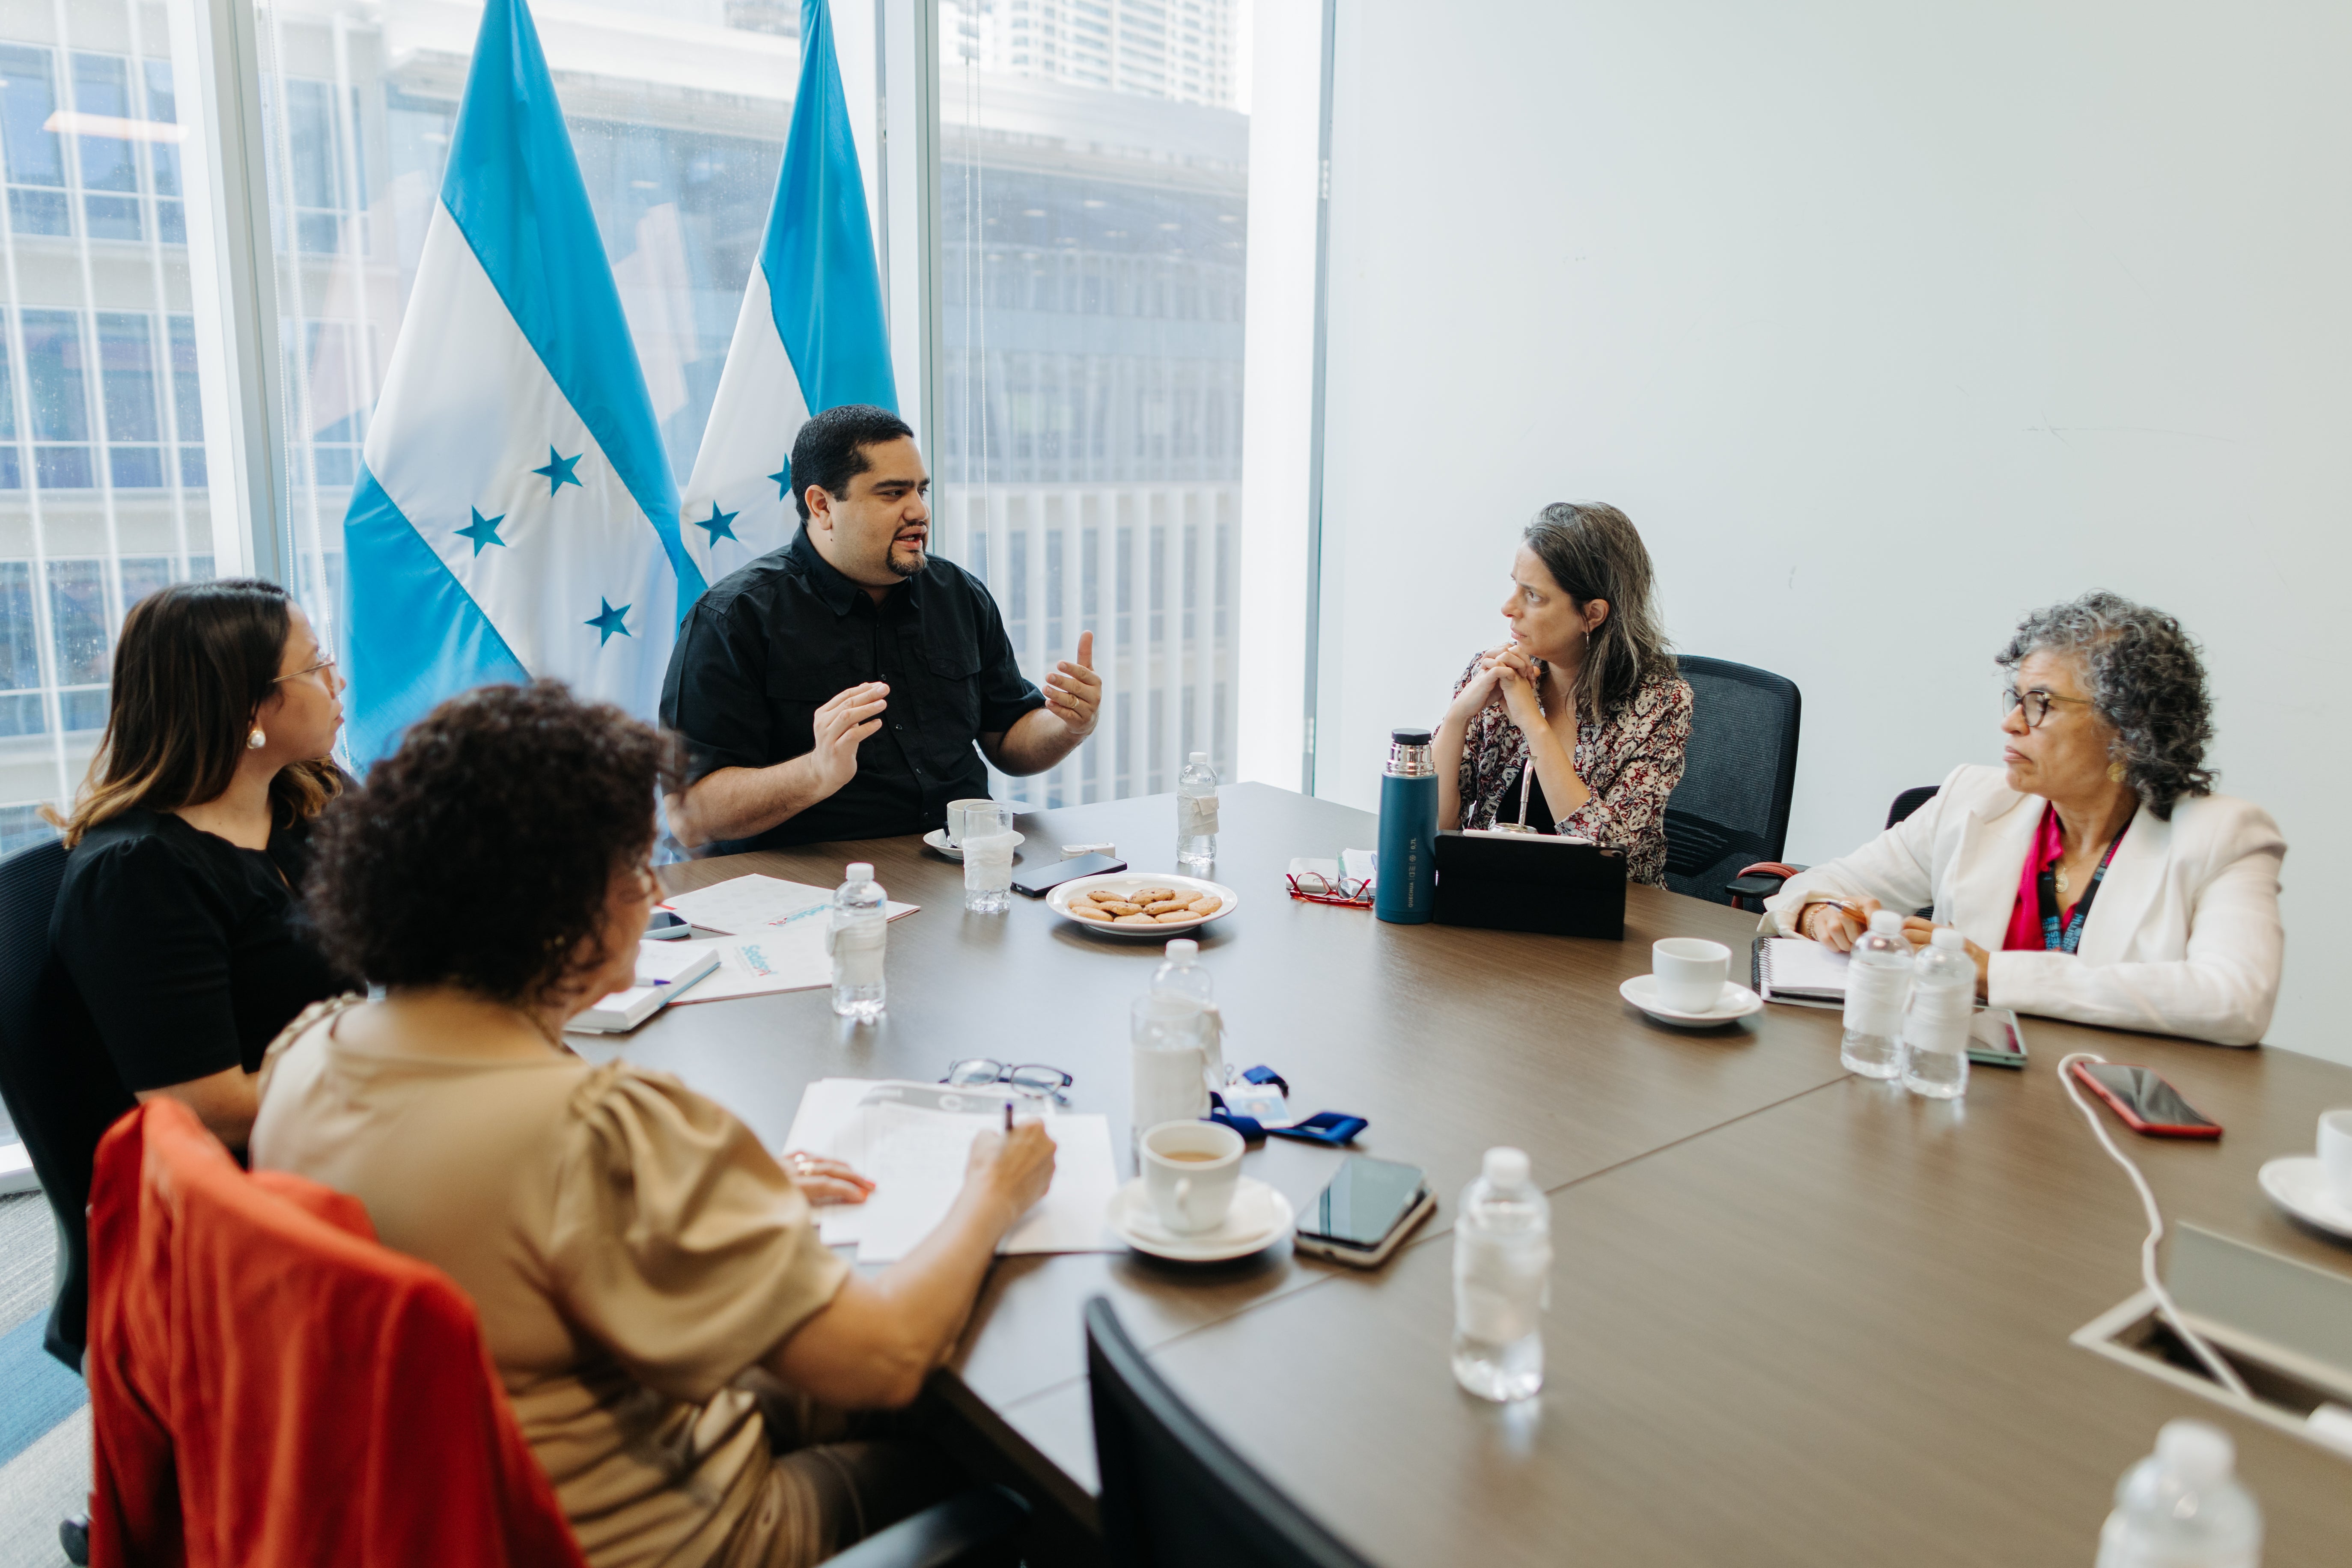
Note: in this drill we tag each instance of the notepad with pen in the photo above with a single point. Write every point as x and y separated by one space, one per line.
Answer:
1794 970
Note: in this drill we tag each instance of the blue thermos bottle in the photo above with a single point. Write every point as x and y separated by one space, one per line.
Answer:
1406 885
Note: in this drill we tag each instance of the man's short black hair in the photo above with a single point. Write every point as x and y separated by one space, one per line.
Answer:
830 447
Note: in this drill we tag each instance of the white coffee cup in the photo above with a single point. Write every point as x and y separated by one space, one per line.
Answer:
2336 1152
1190 1170
955 819
1690 973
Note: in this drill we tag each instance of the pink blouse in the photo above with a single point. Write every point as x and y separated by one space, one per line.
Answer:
2025 934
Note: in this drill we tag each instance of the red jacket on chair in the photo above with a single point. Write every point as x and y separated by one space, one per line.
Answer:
271 1388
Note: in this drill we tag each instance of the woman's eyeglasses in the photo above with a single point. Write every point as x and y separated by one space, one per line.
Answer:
1029 1077
326 664
2035 702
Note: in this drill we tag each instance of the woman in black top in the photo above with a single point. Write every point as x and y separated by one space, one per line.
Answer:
178 917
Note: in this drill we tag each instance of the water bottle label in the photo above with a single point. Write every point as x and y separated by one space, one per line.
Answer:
1874 998
1196 815
1499 1288
1938 1021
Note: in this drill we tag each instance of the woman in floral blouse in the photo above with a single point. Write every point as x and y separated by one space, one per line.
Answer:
1586 687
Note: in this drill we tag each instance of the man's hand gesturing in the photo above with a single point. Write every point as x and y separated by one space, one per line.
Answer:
841 725
1074 691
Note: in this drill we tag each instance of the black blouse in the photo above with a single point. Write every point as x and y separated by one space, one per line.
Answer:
187 951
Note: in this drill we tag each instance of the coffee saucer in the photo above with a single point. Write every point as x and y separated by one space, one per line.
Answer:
1735 1002
1260 1217
937 838
2298 1183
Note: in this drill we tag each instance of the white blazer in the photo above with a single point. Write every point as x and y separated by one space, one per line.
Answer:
2183 939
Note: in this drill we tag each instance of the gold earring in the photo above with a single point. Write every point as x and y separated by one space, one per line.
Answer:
256 741
2114 773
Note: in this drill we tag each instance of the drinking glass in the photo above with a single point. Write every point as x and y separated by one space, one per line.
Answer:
988 844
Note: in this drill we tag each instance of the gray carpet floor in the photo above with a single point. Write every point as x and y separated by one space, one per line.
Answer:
51 1478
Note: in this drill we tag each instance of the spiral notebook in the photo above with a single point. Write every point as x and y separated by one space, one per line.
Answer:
1793 969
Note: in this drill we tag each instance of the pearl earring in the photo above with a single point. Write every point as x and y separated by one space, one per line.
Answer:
256 741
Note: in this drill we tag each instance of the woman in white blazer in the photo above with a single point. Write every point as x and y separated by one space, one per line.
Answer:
2095 876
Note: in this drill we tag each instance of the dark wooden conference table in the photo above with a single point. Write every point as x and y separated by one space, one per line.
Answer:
1797 1317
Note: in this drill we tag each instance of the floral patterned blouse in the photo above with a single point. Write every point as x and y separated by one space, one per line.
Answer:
1630 760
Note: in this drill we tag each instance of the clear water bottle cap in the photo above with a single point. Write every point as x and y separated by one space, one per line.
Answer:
1200 759
1949 939
1506 1167
1182 950
860 871
1886 922
2194 1452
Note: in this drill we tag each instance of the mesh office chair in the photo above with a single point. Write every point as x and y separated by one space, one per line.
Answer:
61 1090
1174 1495
1731 809
1760 883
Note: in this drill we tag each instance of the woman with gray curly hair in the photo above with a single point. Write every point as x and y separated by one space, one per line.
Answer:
2097 877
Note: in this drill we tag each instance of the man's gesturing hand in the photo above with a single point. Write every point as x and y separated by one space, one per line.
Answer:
1074 691
841 725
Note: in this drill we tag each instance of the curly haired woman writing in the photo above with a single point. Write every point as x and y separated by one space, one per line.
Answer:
2096 875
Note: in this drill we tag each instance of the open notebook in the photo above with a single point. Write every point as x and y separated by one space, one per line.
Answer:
1793 969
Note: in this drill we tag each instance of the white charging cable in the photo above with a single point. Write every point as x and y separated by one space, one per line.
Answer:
2222 1369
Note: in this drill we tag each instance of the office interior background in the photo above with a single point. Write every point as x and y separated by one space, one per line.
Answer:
2072 314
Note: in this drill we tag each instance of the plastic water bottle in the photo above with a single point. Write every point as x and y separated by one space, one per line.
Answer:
1935 1029
1176 1044
2181 1508
1877 984
1196 815
1502 1280
860 928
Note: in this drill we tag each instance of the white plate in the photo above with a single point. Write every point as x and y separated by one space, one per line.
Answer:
1736 1002
1260 1217
937 838
1058 900
2298 1183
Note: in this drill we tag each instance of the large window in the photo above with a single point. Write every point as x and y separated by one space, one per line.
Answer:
677 110
103 471
1094 198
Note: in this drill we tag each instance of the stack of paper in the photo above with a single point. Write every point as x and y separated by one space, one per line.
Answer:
776 935
913 1140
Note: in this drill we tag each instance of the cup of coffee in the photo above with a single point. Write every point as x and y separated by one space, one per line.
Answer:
1190 1170
2335 1153
956 828
1690 973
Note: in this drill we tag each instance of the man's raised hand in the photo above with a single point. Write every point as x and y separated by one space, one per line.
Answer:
841 725
1074 691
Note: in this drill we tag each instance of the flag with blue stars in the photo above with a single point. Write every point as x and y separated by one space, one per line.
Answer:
811 335
515 516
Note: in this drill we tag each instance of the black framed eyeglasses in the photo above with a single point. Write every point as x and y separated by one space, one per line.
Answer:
1029 1077
2035 702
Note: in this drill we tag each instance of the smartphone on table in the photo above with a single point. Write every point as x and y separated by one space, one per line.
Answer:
2146 1102
1036 880
1994 1039
1371 1206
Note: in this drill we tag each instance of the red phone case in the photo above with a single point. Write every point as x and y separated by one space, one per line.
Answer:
2131 1117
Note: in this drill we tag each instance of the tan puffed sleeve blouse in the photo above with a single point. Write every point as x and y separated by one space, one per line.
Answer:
631 1247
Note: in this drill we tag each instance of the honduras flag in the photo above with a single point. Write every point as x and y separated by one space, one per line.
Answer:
811 335
515 516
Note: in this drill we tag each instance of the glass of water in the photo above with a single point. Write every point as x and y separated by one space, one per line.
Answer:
988 844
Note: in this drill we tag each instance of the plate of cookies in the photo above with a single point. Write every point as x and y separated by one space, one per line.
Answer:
1129 903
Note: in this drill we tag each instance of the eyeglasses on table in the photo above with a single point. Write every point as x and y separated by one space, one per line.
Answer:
1029 1077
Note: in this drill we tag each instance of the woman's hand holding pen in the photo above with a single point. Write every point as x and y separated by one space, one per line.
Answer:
1836 924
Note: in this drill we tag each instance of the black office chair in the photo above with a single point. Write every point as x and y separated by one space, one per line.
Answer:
61 1089
1909 801
1760 883
1174 1495
1731 809
978 1529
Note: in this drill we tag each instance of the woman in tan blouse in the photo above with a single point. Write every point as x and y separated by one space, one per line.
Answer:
632 1250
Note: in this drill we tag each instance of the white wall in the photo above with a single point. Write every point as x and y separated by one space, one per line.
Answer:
1885 322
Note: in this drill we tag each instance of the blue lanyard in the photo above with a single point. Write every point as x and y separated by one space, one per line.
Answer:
2054 939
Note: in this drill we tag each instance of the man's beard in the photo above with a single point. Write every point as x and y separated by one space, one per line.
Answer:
904 569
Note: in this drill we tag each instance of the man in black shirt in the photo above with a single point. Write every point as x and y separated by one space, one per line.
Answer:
852 634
